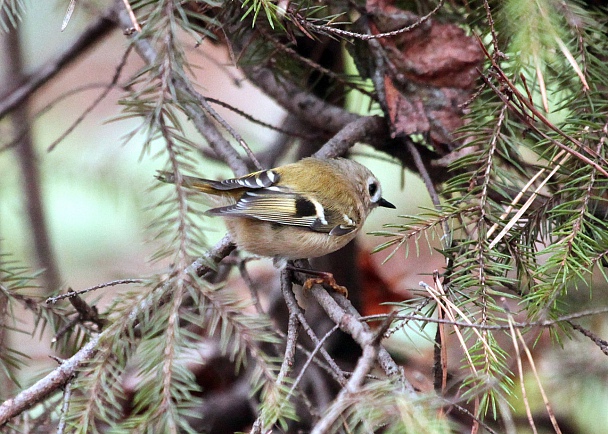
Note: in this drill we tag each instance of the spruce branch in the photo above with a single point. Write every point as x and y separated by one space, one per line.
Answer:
519 210
192 101
527 113
49 384
59 376
322 28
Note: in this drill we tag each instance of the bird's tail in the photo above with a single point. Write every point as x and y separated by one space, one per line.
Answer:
200 184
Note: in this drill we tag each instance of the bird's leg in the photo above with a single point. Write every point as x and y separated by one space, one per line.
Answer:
320 278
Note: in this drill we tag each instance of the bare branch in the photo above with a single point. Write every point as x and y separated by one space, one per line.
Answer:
50 383
370 129
348 319
364 366
100 28
601 343
300 103
53 300
322 28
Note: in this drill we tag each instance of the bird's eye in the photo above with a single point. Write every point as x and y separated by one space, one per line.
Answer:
372 188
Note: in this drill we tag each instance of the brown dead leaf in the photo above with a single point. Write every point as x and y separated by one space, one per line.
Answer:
432 71
439 56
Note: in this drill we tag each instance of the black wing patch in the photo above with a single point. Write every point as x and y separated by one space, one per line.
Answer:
275 206
287 209
255 181
305 207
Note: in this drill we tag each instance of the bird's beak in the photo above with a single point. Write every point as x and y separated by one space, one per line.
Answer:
385 203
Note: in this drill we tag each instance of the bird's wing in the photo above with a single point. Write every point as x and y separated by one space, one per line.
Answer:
254 181
276 205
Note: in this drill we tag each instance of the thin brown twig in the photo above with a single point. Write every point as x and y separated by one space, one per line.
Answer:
430 187
336 372
322 28
490 19
601 343
94 103
53 300
440 360
293 326
215 115
292 329
100 28
17 137
86 313
253 291
310 359
517 325
69 325
314 65
259 122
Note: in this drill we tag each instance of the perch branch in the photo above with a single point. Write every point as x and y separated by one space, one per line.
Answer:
50 383
365 364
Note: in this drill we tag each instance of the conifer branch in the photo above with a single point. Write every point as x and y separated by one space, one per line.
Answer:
49 384
191 105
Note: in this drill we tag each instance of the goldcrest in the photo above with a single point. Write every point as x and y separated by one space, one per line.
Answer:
301 210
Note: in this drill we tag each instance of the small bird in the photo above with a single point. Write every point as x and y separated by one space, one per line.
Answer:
302 210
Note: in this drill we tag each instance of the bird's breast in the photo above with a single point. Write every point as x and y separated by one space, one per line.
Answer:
276 240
